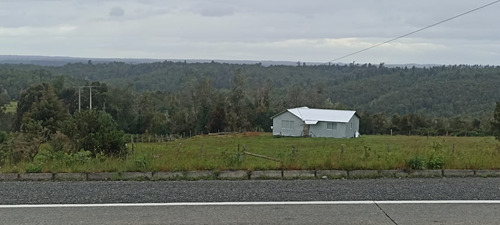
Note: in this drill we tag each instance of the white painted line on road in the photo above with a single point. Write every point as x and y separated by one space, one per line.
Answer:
441 202
251 203
187 204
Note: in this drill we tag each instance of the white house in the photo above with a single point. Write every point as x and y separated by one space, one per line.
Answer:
304 121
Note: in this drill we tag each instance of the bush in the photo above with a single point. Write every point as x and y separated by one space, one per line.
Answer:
435 162
3 155
3 136
143 162
416 163
61 143
95 131
233 159
48 156
22 146
81 157
34 168
3 148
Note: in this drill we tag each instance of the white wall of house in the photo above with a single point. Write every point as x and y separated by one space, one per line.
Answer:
327 129
351 127
287 124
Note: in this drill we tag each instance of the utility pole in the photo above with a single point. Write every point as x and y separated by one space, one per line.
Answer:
80 96
90 91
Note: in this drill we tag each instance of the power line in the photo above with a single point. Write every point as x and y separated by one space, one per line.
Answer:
421 29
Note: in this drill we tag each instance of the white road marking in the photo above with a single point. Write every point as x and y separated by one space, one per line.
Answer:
251 203
441 202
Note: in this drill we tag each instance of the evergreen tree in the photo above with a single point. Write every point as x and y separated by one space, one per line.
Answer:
40 103
146 113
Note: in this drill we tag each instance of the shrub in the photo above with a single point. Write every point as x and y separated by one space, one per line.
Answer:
61 143
22 146
47 155
34 168
435 162
3 136
95 131
143 162
416 163
233 159
81 156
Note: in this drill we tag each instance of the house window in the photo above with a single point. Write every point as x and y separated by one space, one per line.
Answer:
287 124
331 126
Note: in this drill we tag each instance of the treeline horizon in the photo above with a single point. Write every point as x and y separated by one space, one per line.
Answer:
177 97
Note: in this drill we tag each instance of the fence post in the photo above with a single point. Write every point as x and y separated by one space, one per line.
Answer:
243 152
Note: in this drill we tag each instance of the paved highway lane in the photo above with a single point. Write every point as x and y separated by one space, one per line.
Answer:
227 214
366 212
89 192
368 201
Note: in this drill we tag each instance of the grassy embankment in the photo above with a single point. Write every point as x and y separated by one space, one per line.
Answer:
221 153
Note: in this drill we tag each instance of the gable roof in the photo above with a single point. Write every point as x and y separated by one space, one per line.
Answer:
312 116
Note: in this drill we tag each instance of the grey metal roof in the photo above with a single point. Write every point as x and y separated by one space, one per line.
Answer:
312 116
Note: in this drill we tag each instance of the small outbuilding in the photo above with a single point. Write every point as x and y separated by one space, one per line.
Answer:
308 122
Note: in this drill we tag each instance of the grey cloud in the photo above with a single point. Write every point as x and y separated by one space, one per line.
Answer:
283 29
116 12
214 10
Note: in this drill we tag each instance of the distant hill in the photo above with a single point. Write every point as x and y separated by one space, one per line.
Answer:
444 91
63 60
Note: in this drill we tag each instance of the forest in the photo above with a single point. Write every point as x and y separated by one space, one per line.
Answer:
180 98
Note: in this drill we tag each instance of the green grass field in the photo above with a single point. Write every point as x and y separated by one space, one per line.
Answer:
224 152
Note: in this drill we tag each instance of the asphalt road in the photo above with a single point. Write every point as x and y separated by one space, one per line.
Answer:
89 192
25 202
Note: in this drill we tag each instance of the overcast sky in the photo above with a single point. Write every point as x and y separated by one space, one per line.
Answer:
281 30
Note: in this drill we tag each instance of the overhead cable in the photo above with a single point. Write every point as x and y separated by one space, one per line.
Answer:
421 29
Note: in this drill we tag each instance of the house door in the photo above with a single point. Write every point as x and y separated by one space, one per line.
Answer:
306 130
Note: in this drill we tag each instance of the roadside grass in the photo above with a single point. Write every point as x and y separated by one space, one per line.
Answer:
225 152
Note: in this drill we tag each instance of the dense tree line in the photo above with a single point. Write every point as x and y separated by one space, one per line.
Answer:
444 91
180 98
201 108
418 124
